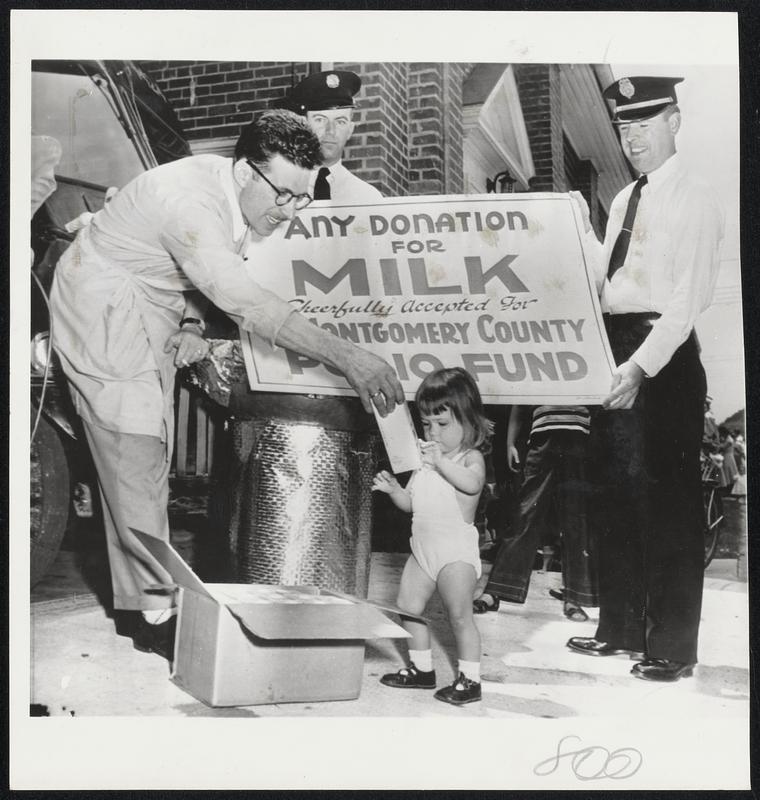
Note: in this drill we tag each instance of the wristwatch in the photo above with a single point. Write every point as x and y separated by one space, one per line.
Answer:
193 321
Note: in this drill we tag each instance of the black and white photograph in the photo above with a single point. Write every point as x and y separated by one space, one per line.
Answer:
387 406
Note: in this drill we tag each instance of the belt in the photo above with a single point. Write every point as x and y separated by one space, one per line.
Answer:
637 318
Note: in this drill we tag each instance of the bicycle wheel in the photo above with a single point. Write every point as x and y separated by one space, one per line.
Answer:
713 522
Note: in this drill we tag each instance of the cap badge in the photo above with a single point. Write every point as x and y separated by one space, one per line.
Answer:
626 88
333 81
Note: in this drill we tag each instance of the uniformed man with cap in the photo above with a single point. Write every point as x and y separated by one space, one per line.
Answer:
661 259
326 99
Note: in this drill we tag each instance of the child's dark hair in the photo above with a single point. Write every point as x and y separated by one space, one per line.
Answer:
454 388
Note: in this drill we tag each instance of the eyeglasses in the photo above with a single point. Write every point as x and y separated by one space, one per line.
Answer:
283 196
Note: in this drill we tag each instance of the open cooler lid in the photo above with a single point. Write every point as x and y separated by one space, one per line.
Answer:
338 620
172 562
381 604
310 614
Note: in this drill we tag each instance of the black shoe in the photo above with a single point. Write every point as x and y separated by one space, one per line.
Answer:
410 678
575 613
661 669
593 647
480 606
557 594
127 623
157 639
462 691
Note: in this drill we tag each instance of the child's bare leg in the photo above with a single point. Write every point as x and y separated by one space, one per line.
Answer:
456 583
415 591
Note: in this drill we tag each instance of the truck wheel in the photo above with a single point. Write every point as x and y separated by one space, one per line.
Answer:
49 498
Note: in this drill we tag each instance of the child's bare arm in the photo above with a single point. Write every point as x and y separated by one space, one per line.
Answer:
385 482
467 476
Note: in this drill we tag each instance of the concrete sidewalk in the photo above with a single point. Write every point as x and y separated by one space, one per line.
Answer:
80 667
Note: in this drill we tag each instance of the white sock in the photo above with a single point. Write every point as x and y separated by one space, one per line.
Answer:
470 669
155 616
422 659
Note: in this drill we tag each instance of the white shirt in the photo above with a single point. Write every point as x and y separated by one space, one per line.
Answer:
345 188
672 262
118 292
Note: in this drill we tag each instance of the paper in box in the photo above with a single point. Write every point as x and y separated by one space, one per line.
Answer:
253 644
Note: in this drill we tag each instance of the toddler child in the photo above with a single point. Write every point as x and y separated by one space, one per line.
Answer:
443 498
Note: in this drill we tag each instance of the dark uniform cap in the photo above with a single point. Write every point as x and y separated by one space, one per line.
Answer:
332 89
640 98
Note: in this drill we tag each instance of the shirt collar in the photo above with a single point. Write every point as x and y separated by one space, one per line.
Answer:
335 169
226 178
657 177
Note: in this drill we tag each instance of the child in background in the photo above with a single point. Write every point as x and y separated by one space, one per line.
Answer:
554 485
443 498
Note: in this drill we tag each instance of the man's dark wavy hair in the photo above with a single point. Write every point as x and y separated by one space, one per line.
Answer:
279 132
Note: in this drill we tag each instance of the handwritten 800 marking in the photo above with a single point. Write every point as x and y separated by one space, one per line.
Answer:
618 764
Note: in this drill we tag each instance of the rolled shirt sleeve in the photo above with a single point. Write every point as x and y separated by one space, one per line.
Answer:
672 262
695 242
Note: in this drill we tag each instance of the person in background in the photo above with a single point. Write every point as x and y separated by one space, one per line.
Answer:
710 435
554 480
326 99
661 253
123 325
729 469
443 498
740 452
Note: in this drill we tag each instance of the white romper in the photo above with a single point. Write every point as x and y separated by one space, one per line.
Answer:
440 536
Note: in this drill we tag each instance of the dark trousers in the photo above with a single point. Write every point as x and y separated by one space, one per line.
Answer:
553 491
649 510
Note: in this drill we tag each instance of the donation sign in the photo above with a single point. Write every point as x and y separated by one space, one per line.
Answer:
497 284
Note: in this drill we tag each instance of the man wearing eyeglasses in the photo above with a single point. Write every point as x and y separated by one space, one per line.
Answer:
121 327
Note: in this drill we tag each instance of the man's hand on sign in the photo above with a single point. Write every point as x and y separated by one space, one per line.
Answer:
626 381
190 347
583 206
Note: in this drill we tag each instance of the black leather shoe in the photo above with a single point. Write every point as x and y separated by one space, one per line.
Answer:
462 691
127 623
661 669
410 678
593 647
481 606
157 639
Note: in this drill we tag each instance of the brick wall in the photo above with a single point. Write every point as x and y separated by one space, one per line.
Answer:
453 128
408 136
214 99
435 128
539 89
378 151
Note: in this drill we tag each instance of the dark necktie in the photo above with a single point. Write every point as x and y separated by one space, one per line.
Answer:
321 185
620 250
